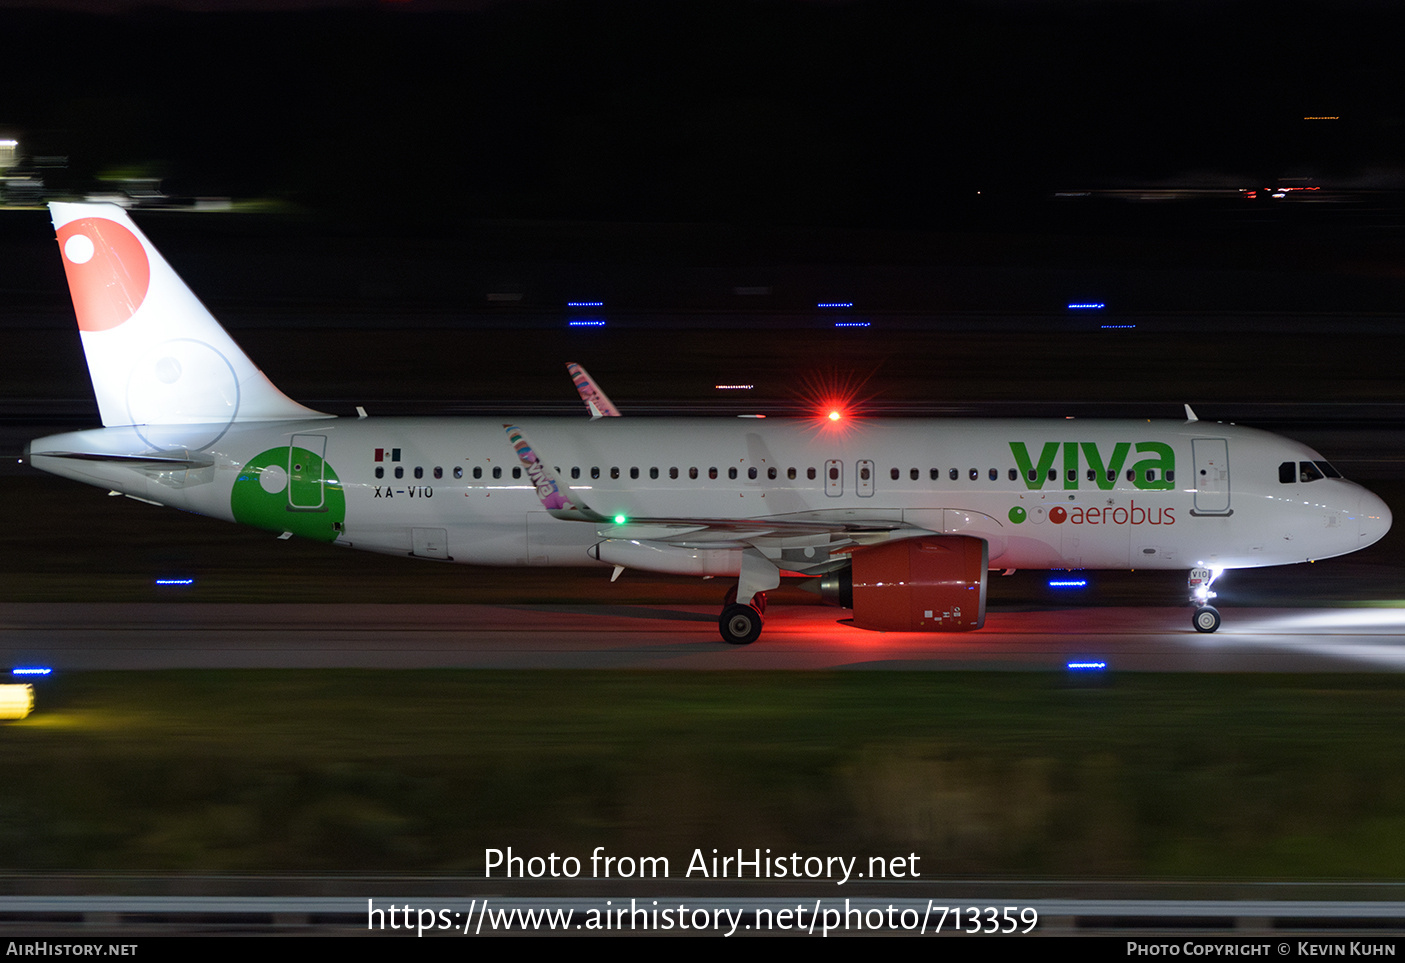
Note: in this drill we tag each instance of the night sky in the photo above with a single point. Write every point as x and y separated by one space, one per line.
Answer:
882 113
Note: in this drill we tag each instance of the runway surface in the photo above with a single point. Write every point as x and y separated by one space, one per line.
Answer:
174 635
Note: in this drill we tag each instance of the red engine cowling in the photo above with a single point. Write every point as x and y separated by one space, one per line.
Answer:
935 583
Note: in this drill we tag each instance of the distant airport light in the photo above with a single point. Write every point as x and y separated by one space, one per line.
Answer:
1117 325
1322 118
1086 306
733 387
585 304
31 670
835 304
16 701
1068 583
175 581
1086 666
851 324
834 415
587 324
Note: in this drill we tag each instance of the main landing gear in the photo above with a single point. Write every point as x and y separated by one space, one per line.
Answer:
741 624
1206 617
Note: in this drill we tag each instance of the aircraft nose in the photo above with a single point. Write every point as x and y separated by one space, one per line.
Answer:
1374 516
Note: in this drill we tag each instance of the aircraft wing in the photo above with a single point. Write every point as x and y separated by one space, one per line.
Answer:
684 531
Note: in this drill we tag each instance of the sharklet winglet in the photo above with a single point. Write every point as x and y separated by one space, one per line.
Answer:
596 401
560 504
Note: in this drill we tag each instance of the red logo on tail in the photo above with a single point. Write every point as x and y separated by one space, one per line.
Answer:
108 271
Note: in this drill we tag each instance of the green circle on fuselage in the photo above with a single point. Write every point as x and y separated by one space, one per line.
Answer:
1018 514
308 499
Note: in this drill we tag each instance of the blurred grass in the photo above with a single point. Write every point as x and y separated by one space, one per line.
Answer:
979 774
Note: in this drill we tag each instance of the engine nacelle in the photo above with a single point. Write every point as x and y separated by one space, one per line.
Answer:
934 583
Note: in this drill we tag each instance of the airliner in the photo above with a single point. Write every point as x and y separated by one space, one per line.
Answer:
899 520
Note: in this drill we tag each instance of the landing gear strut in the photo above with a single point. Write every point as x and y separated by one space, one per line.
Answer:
1206 617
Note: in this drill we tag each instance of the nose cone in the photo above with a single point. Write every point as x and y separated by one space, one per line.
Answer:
1374 517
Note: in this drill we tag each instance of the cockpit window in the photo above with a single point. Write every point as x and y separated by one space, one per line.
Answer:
1288 473
1309 472
1327 469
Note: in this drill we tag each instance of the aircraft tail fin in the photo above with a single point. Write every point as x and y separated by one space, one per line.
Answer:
155 354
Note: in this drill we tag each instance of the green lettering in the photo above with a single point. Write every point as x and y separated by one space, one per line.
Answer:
1100 470
1022 462
1164 461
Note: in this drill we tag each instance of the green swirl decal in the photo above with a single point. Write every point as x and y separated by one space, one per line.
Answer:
290 490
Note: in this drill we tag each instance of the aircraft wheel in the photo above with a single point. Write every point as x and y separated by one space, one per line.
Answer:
1206 619
740 624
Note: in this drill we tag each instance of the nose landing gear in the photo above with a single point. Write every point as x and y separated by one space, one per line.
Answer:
1206 617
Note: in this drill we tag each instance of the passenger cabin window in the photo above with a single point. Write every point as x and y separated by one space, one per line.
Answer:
914 474
576 472
751 473
399 472
614 472
790 474
477 472
438 472
732 473
594 471
673 473
634 473
975 474
936 473
771 473
953 474
810 474
834 474
517 471
993 474
895 474
458 471
380 472
419 472
693 473
712 473
497 472
653 473
1014 474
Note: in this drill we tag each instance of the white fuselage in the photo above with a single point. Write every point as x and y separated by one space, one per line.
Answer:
1042 493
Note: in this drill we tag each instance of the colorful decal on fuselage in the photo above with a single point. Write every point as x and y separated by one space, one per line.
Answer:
290 489
1132 514
1153 473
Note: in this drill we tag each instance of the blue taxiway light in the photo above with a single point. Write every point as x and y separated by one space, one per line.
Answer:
851 324
1068 583
835 304
175 581
1117 325
1086 305
585 304
587 324
1086 666
29 670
